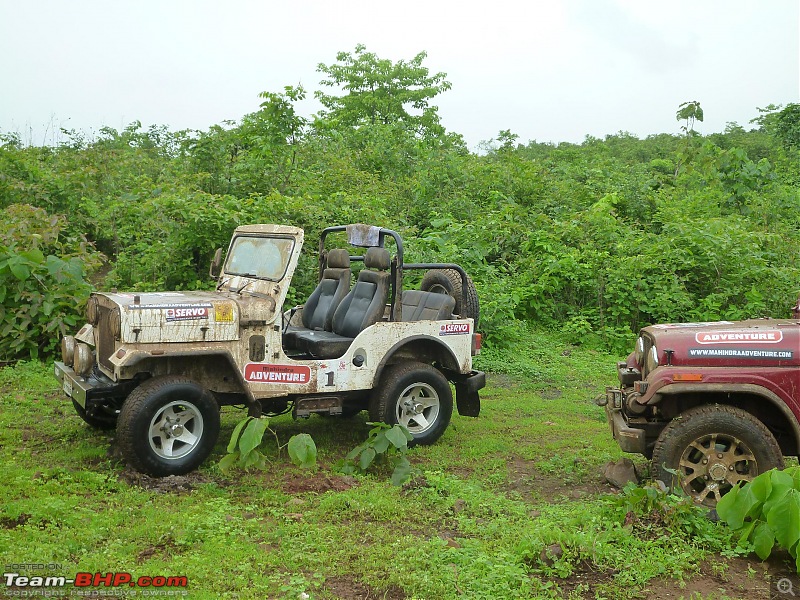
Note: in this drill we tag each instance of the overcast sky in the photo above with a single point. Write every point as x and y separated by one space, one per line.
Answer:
547 70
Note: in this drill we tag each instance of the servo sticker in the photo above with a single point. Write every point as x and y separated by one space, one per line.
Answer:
741 353
454 329
261 373
186 314
739 337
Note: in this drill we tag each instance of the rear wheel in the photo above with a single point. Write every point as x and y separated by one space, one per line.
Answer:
416 396
168 426
711 449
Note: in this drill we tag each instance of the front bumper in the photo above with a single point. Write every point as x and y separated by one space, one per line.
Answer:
630 439
92 390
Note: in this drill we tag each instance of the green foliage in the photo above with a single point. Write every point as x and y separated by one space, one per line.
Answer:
381 92
42 282
787 126
765 512
243 448
592 240
650 507
385 445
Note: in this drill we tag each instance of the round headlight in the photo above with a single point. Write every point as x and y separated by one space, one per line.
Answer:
652 359
115 323
638 354
68 349
92 312
84 359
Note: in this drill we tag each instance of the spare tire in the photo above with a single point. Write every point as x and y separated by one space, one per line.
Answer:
448 281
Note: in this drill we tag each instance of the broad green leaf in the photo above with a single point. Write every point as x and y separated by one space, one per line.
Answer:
235 435
252 435
227 461
744 537
732 507
381 443
254 458
302 450
367 456
763 540
397 437
19 270
34 255
402 471
784 518
761 487
356 451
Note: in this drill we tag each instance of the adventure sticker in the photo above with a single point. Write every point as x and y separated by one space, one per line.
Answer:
261 373
223 312
454 329
740 353
739 337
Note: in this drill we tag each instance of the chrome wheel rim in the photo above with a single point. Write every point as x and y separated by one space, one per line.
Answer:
175 430
418 408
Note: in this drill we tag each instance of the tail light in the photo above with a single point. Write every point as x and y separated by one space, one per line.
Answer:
477 341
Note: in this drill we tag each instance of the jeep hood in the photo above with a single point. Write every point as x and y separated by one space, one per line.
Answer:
757 342
174 316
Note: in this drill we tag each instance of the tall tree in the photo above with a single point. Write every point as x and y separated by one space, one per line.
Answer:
380 92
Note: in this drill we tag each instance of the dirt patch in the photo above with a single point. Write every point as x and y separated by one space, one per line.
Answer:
164 485
551 393
499 380
318 483
161 550
9 523
532 484
350 589
744 578
585 580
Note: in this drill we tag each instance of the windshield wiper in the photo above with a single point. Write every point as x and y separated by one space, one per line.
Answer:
251 275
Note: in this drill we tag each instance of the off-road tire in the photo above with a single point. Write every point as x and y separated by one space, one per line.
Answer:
97 422
448 281
156 402
708 446
411 386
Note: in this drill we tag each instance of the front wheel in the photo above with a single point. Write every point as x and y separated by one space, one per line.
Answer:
168 426
416 396
708 449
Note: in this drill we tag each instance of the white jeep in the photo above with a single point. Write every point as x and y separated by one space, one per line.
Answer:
157 366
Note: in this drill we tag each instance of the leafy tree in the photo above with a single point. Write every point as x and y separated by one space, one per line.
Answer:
787 126
379 91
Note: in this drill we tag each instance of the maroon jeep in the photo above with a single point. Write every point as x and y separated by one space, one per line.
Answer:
711 403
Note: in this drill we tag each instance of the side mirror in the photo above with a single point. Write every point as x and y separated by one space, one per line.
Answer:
216 264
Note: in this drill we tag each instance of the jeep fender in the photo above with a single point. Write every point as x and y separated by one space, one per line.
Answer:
194 364
426 349
677 389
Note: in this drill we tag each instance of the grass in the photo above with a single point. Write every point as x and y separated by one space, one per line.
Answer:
509 505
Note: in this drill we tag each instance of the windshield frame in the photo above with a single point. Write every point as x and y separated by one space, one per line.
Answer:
287 256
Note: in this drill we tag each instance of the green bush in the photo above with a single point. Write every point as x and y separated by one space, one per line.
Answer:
42 282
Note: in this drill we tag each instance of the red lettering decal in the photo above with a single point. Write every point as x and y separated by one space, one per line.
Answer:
295 374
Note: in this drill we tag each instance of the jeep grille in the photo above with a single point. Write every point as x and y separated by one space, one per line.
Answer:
104 338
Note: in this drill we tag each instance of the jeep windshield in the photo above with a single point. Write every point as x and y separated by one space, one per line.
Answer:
259 257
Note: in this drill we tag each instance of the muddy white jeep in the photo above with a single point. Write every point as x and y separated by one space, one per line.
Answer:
157 366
